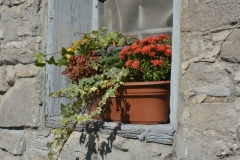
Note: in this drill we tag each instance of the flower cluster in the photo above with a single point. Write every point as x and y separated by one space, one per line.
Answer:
148 59
79 67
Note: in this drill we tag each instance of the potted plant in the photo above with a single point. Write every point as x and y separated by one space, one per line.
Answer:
103 66
144 98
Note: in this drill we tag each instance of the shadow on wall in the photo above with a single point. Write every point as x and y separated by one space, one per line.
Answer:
103 148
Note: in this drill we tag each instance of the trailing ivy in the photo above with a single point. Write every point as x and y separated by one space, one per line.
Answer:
91 66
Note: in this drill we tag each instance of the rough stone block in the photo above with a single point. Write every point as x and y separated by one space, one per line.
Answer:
3 83
24 71
203 16
18 52
211 129
219 116
204 79
238 133
20 105
11 75
36 146
230 50
202 47
20 29
109 147
2 33
6 155
12 141
237 76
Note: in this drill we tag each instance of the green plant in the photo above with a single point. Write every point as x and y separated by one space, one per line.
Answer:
103 61
90 66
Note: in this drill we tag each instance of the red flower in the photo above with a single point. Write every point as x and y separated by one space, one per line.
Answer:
167 47
135 64
137 41
160 48
137 50
154 62
151 54
151 46
161 62
168 52
128 63
122 53
162 36
134 46
142 70
146 49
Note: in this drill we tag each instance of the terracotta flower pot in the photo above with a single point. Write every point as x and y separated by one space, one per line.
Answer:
137 103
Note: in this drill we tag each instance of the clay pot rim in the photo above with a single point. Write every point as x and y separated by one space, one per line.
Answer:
146 83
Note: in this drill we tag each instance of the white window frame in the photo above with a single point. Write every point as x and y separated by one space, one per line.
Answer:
175 70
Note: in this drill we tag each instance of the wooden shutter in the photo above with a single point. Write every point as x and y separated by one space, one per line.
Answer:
65 16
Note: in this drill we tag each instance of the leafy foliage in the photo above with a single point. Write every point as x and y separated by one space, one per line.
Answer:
90 66
79 96
148 59
102 61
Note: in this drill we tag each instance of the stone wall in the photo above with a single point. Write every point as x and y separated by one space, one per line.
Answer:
23 133
22 34
209 121
209 117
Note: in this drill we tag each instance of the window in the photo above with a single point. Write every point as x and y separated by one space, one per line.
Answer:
138 18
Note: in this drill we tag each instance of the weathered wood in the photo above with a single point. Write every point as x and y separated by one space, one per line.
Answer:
161 133
64 17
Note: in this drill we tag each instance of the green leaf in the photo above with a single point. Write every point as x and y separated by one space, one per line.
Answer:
52 61
39 64
80 119
49 144
104 28
40 60
74 32
53 95
64 51
62 62
121 42
97 111
40 57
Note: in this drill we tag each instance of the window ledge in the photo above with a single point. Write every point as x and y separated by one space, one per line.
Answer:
160 133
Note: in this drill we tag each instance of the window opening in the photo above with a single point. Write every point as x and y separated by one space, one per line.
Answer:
137 18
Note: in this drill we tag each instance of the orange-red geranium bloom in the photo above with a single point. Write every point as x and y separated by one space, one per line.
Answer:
128 63
135 64
154 62
161 62
162 36
160 48
134 46
137 50
151 54
168 52
146 49
137 41
151 46
167 47
122 53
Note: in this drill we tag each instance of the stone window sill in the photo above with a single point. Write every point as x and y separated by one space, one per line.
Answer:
160 133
